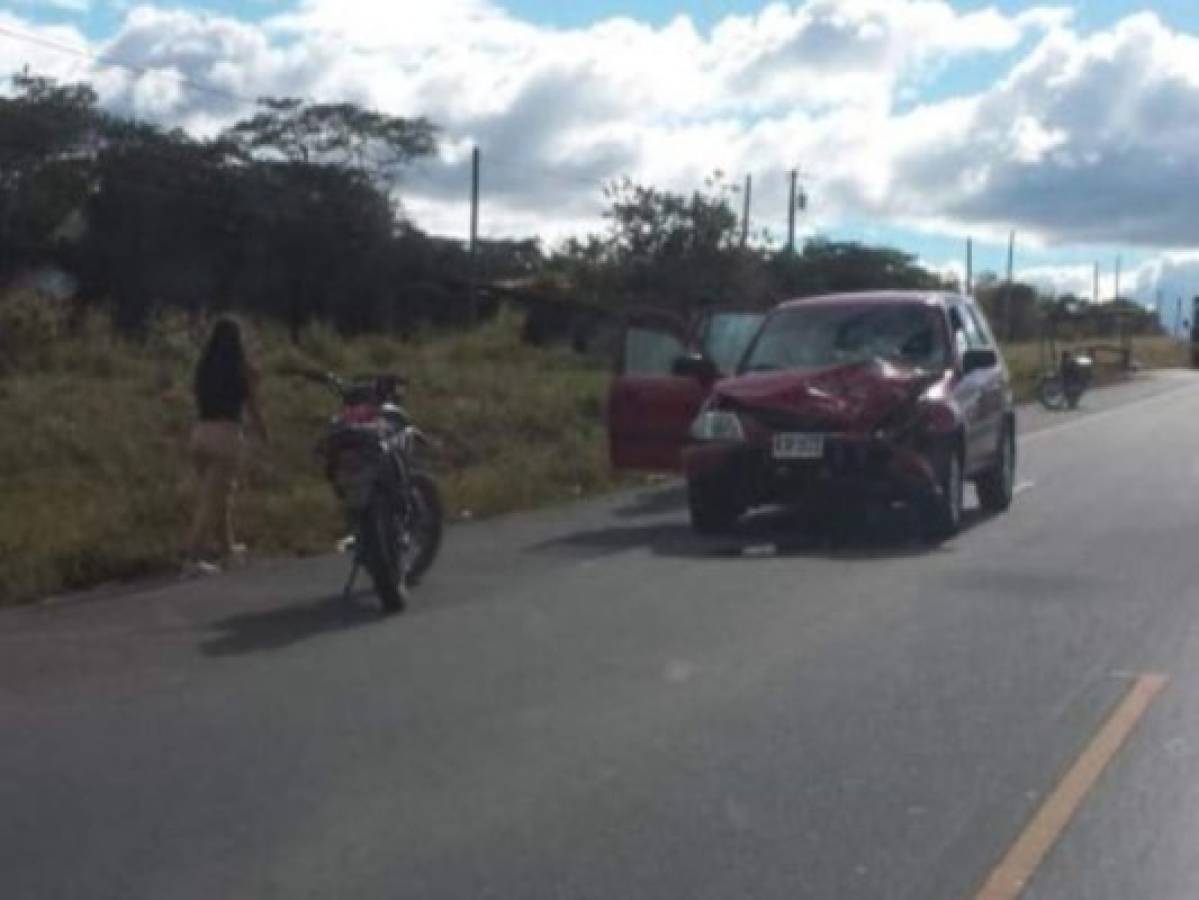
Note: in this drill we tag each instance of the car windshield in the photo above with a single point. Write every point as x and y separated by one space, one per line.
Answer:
821 335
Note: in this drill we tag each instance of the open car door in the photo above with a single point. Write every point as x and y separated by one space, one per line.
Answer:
650 408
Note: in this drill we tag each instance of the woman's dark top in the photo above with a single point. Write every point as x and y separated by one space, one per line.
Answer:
221 393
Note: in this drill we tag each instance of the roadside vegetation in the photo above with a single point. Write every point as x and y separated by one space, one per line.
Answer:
1149 352
94 481
293 218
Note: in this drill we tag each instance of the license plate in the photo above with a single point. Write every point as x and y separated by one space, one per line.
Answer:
799 446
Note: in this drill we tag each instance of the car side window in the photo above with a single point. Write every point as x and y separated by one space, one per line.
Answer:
961 340
966 324
727 335
650 351
978 320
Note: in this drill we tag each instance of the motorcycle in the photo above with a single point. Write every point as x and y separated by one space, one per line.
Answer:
1064 387
372 454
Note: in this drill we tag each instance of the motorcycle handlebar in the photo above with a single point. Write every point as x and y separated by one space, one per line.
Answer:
341 385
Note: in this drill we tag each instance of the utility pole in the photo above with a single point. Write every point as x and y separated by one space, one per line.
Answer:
969 266
1178 318
1095 297
1120 315
474 232
791 212
749 187
1011 260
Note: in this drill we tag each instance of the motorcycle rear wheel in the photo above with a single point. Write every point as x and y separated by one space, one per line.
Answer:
381 554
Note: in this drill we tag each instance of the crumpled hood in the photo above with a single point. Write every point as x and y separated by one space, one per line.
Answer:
850 398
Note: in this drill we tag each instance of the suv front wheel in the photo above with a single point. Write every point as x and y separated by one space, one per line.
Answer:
943 510
996 485
712 510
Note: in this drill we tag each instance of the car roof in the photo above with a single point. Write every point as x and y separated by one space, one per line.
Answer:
928 298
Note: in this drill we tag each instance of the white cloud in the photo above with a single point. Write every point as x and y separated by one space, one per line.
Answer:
1078 280
1087 138
1171 282
40 55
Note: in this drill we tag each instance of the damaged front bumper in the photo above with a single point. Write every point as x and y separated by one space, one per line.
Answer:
852 467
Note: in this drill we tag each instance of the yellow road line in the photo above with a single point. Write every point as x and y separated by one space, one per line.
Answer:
1007 880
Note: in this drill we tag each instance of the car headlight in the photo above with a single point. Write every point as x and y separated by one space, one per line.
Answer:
717 425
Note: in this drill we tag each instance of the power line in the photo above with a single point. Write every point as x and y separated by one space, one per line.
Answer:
102 60
513 167
519 169
523 169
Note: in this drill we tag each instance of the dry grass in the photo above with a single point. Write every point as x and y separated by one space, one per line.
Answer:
1025 364
93 480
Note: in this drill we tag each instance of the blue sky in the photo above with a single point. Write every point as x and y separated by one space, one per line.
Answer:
105 15
705 13
874 110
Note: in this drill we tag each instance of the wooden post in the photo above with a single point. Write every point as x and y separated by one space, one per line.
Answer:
749 186
1125 350
1011 260
969 267
474 234
791 213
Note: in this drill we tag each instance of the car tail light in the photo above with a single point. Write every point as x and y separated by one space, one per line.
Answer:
360 414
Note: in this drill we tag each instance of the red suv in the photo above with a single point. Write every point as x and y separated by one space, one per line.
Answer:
896 396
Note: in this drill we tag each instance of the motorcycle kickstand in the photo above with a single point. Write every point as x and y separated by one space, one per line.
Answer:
349 588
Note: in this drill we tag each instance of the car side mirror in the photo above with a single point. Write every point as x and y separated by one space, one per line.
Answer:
697 366
974 360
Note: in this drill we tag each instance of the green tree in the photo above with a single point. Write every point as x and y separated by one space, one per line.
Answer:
48 136
667 249
342 135
832 266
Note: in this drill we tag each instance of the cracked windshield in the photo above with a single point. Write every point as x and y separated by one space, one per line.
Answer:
606 449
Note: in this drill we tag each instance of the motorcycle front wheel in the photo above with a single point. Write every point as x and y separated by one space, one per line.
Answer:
426 523
1051 392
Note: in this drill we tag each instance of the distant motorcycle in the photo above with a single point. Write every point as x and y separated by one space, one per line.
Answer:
1063 388
372 457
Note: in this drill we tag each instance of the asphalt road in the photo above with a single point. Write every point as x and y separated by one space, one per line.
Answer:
592 703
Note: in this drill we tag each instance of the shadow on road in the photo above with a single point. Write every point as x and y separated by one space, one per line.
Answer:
654 503
878 534
283 626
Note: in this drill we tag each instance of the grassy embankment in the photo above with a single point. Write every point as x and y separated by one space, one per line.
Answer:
1024 361
93 481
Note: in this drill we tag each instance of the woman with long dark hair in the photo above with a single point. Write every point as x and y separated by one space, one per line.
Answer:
226 391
